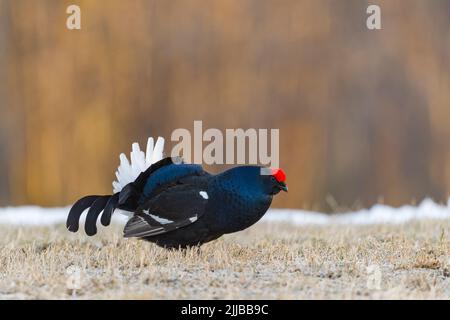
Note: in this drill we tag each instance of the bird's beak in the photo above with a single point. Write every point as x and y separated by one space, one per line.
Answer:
283 186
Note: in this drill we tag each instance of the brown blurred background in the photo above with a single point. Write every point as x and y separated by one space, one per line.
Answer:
364 116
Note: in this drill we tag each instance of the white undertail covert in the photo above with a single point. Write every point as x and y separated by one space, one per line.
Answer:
140 161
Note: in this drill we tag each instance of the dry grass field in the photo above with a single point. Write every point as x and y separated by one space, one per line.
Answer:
273 261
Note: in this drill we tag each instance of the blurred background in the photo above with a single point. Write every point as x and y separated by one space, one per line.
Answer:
364 116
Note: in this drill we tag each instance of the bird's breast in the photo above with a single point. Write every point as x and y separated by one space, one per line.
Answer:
236 210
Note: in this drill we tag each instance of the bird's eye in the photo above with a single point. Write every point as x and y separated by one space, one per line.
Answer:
273 179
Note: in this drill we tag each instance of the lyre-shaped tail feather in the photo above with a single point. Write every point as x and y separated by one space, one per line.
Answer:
127 172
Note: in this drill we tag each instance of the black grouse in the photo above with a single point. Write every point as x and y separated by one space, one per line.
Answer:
177 205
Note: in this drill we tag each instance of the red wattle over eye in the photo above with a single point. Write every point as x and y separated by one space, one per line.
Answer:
279 175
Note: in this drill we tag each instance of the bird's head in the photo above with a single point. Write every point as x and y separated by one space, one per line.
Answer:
268 181
274 179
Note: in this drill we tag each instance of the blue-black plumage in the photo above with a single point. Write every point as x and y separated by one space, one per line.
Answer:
177 205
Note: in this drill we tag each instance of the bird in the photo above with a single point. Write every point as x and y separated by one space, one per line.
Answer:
178 205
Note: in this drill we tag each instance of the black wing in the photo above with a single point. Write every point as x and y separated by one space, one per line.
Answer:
174 208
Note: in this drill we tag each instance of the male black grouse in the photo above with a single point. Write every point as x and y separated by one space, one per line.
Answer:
177 205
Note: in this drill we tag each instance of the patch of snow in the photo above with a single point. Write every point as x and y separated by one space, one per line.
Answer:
37 216
378 214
